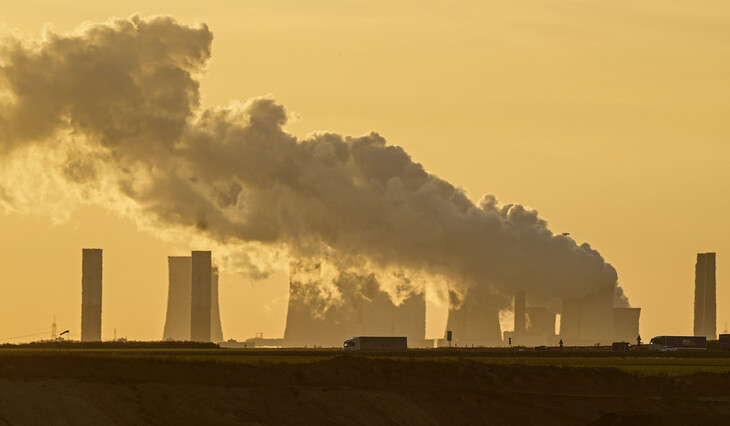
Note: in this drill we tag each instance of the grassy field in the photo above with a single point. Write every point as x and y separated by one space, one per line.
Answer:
639 365
636 363
328 386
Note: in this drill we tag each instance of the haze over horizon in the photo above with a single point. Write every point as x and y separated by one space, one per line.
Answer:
613 133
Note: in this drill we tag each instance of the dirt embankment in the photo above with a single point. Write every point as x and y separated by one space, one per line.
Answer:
75 389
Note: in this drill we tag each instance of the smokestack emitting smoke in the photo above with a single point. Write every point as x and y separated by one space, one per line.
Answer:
110 114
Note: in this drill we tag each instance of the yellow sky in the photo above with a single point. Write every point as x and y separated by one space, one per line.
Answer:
609 117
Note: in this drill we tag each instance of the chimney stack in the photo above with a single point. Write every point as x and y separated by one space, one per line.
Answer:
705 303
91 272
200 312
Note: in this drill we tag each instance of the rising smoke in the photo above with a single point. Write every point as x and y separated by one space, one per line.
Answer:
111 115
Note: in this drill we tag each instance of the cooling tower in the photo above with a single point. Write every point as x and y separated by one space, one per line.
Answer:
177 322
626 323
475 319
570 319
589 320
91 273
362 309
519 312
537 328
200 297
216 330
540 321
596 315
705 305
311 320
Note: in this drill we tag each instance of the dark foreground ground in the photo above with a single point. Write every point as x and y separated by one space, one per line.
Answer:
269 387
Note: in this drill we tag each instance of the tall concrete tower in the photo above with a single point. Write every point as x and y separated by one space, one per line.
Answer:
216 330
91 272
177 322
705 304
200 300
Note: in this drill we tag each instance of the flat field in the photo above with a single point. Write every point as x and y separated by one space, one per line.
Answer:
155 385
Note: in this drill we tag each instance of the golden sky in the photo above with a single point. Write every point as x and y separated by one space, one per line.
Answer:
608 117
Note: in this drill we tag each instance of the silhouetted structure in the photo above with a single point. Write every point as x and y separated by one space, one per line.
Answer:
216 330
590 319
177 322
314 318
540 321
91 275
200 300
537 324
705 288
179 301
626 323
474 320
519 312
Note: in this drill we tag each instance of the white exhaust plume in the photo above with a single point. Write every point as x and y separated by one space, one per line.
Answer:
110 115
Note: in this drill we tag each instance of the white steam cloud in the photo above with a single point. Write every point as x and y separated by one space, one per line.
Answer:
110 115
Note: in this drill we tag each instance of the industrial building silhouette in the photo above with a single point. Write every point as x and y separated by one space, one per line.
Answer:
474 319
362 309
193 311
318 317
584 321
91 277
705 321
216 329
358 306
177 321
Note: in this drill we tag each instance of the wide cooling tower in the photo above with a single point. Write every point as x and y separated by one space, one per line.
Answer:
177 322
475 319
179 319
589 320
626 323
540 321
539 326
314 318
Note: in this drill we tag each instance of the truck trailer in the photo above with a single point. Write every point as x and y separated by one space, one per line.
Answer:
371 343
724 341
676 343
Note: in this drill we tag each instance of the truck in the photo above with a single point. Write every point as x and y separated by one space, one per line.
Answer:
724 341
676 343
373 343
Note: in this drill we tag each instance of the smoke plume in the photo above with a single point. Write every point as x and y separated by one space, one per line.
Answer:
110 115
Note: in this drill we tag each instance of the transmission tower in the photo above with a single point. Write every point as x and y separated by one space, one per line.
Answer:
53 328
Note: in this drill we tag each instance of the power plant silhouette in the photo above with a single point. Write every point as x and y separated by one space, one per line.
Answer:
192 304
91 275
357 305
363 308
705 323
193 312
